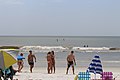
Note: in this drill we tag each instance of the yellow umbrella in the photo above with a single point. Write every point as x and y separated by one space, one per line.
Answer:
6 60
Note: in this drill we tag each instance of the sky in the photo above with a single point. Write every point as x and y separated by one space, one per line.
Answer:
60 17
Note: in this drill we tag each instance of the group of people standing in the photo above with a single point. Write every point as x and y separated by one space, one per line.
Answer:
31 59
50 61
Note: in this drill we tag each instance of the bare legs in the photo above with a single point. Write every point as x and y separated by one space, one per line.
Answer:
73 69
53 66
68 69
31 67
20 66
49 68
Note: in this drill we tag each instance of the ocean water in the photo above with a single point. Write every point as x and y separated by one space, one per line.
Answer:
93 41
62 45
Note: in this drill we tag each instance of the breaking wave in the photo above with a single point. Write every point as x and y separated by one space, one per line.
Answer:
64 48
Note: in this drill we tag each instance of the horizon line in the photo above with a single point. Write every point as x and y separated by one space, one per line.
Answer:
56 36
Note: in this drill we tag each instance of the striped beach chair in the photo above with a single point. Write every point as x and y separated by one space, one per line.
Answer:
84 76
107 76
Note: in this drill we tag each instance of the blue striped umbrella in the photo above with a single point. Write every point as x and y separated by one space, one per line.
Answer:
95 66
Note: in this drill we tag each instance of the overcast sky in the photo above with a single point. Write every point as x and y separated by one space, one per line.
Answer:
60 17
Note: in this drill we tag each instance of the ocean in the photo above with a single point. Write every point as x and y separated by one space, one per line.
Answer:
85 48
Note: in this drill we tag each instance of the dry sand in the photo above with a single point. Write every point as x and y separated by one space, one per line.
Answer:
41 73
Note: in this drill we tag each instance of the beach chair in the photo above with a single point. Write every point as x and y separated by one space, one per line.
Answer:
9 73
1 74
107 76
84 76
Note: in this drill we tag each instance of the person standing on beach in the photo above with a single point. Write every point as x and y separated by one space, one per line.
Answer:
71 61
20 62
30 60
53 60
49 61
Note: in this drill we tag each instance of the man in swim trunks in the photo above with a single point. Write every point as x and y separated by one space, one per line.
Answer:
70 61
31 61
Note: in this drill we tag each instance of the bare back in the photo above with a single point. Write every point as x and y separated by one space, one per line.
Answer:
49 58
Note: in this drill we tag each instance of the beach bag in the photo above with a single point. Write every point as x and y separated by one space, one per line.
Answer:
7 71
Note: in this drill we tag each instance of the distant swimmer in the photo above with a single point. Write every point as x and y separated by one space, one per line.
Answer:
87 45
57 40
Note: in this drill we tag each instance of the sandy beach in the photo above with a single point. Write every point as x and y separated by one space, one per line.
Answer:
41 74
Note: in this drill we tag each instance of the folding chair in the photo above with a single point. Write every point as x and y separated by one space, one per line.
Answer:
84 76
107 76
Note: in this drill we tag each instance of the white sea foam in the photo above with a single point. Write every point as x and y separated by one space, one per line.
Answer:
43 48
63 48
91 48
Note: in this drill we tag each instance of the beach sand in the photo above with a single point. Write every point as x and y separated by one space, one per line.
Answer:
41 73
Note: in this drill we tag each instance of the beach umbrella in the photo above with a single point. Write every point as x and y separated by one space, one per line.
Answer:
95 66
6 60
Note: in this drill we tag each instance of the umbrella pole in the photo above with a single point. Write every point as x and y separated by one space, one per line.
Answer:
95 76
